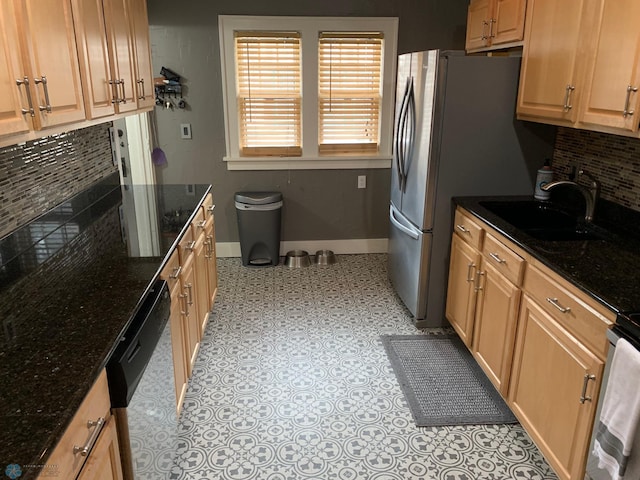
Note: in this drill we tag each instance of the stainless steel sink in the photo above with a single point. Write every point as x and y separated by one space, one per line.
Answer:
542 220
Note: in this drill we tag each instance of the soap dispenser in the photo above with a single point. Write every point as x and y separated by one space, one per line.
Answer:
545 175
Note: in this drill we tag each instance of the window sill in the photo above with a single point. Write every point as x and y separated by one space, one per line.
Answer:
307 163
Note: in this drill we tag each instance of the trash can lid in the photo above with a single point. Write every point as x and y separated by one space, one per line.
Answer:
258 198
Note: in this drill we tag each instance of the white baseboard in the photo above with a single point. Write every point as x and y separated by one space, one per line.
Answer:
347 246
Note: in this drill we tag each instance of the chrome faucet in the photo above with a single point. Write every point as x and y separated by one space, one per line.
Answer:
590 193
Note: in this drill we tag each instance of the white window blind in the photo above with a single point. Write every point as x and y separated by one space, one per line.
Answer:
350 91
268 72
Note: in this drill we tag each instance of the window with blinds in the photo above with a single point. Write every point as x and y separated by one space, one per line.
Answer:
350 91
269 95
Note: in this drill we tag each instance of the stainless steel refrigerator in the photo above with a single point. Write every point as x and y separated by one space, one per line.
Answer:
455 134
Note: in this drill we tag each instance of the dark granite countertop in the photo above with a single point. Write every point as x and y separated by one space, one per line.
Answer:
606 269
70 282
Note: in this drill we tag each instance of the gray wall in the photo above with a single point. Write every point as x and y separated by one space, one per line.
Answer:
319 204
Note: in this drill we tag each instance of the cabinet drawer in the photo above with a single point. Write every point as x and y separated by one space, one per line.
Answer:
208 206
505 260
186 245
171 271
95 406
468 229
556 296
198 223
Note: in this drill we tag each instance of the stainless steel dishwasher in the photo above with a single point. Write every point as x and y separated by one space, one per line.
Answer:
628 327
141 387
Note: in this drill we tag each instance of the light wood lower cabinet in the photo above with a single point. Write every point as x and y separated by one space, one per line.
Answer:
495 325
191 274
540 340
104 462
554 389
101 459
461 293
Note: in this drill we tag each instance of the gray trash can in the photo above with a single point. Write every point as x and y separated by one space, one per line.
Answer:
259 216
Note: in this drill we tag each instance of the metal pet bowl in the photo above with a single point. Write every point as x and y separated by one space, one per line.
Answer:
297 259
325 257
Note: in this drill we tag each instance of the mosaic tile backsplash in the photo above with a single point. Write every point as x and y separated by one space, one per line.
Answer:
613 160
37 175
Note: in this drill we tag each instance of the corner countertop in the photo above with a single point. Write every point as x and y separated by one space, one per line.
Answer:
607 270
70 281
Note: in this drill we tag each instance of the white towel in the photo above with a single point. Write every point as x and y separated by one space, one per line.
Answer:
617 443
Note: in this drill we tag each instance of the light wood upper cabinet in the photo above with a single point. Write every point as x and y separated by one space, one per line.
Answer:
41 76
108 50
612 97
550 79
495 24
12 120
142 48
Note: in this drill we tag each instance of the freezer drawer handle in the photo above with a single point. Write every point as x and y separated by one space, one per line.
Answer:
401 227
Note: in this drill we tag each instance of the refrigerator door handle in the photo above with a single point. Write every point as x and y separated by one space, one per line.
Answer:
411 113
399 136
412 232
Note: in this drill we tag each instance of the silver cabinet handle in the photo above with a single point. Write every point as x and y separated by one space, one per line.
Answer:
478 287
554 302
484 24
210 208
141 83
201 224
25 82
45 87
491 22
176 272
567 98
583 397
497 258
97 428
190 245
189 288
124 94
207 243
185 311
471 266
211 246
626 112
463 229
114 84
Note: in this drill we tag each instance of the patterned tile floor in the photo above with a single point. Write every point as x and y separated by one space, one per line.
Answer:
292 382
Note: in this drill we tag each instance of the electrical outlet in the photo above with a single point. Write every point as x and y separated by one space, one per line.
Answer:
362 181
185 130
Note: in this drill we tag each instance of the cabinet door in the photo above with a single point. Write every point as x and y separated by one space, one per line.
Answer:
93 53
178 345
495 326
190 313
202 282
478 18
12 120
144 72
615 68
550 375
103 462
212 269
461 296
508 21
550 70
118 27
53 62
